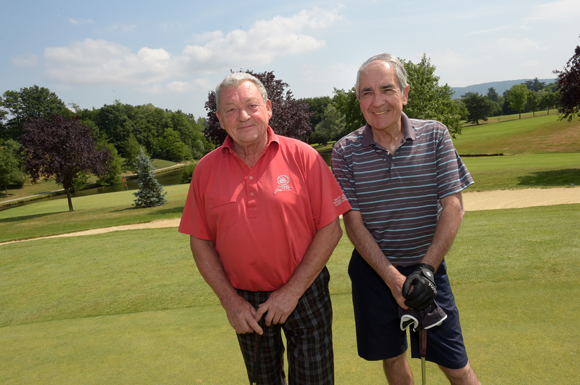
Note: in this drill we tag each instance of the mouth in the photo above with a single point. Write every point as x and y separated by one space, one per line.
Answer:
380 113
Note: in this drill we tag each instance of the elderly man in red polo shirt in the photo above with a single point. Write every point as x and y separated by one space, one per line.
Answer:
262 213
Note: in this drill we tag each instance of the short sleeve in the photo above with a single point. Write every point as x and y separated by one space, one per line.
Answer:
452 175
328 199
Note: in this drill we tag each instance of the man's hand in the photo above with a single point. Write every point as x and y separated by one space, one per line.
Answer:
278 307
419 288
242 316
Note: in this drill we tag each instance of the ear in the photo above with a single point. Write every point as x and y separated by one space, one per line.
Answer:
406 95
269 108
220 119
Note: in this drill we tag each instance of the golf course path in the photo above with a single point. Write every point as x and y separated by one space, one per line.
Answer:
472 201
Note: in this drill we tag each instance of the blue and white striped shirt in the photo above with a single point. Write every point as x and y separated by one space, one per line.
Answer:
398 194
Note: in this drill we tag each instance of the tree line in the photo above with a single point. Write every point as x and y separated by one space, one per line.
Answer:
40 137
117 133
530 96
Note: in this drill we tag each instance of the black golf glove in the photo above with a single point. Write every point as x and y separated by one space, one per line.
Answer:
424 288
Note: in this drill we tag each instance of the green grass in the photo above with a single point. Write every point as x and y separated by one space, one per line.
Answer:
51 217
524 171
542 134
45 186
130 307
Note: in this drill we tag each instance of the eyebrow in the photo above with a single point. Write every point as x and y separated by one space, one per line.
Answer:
388 86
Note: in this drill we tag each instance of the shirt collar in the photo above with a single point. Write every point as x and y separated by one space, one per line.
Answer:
408 131
229 142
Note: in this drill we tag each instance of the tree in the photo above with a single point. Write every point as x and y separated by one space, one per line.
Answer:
173 148
533 101
10 170
150 192
131 151
550 100
112 176
332 127
290 117
429 100
62 148
569 82
478 107
346 103
29 103
114 122
316 107
535 85
517 97
492 94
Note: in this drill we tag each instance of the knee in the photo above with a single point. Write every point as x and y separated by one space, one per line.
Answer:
395 363
464 375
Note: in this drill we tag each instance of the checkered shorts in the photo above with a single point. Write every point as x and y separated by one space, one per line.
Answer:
308 332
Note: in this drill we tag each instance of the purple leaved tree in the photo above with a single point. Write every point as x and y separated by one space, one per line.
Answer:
290 117
569 83
61 148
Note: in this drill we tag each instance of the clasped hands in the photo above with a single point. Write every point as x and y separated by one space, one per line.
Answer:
419 288
244 317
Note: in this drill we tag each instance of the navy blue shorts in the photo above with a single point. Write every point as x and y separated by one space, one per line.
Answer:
378 331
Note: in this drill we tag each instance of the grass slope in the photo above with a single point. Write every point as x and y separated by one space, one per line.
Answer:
542 134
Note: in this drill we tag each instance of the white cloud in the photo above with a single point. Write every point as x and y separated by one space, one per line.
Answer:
100 61
486 31
557 12
530 64
105 62
516 45
25 61
124 27
78 22
264 41
178 87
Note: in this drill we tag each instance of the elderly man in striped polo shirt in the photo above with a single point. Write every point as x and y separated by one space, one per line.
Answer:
403 179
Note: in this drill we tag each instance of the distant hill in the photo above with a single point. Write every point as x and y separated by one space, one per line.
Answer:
500 87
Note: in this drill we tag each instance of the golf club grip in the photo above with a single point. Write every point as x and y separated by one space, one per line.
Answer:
423 342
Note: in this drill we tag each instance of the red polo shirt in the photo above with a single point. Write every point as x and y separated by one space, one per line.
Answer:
262 219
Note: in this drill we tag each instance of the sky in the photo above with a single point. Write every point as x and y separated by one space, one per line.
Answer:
172 53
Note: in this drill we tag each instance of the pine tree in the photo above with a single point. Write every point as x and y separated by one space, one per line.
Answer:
150 192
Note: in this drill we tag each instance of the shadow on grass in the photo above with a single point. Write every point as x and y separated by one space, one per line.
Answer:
562 178
27 217
173 210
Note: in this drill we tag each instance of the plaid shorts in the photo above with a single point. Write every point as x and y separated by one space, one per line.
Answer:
308 332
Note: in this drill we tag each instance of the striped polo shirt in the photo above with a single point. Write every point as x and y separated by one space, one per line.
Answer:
399 194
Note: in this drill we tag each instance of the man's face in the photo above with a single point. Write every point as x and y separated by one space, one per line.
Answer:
244 114
380 97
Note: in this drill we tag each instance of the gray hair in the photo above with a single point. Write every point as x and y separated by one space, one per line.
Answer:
388 58
235 80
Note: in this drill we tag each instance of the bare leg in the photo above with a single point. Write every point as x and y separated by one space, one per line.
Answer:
398 371
463 376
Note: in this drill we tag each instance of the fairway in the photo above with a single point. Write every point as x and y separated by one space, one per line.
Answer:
131 308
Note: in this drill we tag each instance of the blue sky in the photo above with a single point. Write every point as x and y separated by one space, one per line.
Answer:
172 53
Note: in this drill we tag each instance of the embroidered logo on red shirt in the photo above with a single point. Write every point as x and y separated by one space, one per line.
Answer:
340 199
283 182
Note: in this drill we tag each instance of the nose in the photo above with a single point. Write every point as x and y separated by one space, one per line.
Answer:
378 99
243 116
